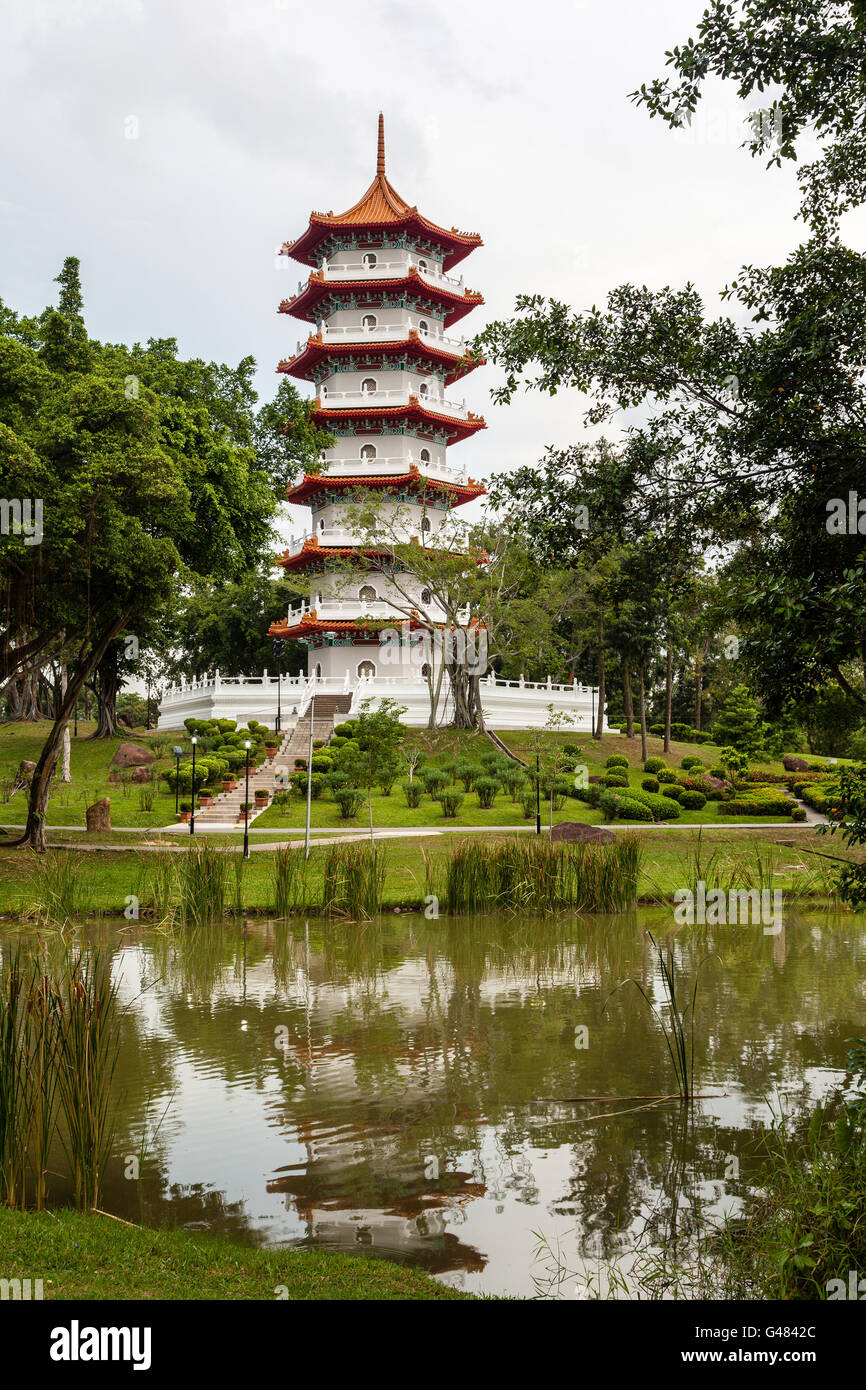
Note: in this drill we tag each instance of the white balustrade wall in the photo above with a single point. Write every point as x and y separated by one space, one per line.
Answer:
507 704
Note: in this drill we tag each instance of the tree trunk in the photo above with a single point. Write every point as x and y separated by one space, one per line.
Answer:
699 692
475 703
107 684
599 722
40 783
22 695
642 692
669 692
66 744
629 703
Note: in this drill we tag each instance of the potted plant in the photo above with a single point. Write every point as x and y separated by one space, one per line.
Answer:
229 782
263 796
245 808
271 747
185 808
205 798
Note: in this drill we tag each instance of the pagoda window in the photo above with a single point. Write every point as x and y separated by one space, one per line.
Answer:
367 594
368 386
425 455
322 524
424 390
370 259
422 265
369 321
368 451
423 326
319 668
367 669
426 595
425 523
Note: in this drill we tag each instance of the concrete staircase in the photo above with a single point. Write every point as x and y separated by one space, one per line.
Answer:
227 806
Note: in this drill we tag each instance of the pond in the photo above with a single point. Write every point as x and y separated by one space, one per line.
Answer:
396 1089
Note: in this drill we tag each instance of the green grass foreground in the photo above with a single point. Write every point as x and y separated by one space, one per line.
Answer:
79 1256
670 860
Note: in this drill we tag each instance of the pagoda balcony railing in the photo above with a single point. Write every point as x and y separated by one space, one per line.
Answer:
397 466
389 270
387 332
345 610
333 536
439 405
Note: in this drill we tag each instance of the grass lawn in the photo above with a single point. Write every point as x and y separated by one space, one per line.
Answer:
106 879
89 765
92 1256
91 759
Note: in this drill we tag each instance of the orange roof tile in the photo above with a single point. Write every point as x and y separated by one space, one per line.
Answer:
379 206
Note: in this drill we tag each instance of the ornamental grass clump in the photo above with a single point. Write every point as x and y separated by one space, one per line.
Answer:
353 881
59 1038
540 876
486 789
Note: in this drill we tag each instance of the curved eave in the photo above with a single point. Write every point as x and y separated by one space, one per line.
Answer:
310 627
315 482
310 552
304 304
316 350
372 415
455 245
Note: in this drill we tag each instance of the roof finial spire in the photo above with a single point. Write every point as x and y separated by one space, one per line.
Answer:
380 157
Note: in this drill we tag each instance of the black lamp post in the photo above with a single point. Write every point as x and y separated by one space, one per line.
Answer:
537 794
76 717
178 754
247 804
278 653
193 741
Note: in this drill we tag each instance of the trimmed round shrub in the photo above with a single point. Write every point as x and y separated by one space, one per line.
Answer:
347 729
718 772
650 784
321 764
386 778
665 775
467 773
689 761
528 803
336 780
413 792
616 760
662 807
590 796
573 749
654 765
451 801
434 779
674 792
692 801
629 809
486 789
615 779
798 813
514 782
350 801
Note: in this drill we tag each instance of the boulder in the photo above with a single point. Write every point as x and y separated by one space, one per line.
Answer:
577 832
99 815
25 772
132 755
792 764
142 774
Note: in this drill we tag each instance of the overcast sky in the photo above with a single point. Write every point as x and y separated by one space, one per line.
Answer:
172 145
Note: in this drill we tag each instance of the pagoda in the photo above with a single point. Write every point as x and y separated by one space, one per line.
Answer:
382 303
